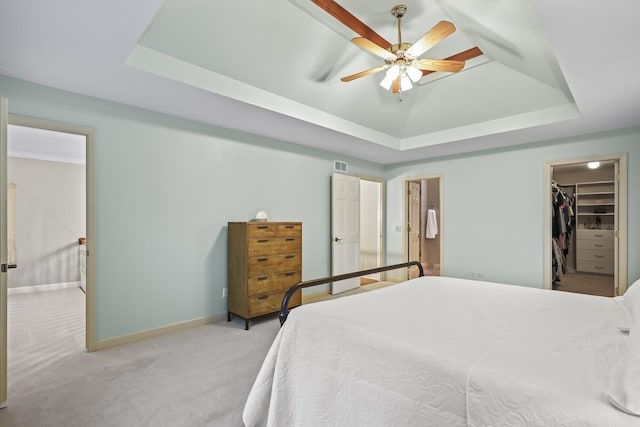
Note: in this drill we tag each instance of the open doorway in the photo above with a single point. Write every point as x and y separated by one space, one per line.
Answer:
371 228
423 235
47 296
587 226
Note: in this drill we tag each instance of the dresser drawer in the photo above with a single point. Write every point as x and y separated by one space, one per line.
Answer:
290 229
273 264
270 303
273 282
274 245
599 245
257 229
594 234
594 255
594 266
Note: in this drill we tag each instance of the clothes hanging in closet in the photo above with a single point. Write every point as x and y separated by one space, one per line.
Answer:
562 227
432 224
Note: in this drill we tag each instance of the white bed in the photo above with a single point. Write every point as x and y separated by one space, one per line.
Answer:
438 351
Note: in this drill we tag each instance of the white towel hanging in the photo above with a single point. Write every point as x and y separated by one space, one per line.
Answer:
432 224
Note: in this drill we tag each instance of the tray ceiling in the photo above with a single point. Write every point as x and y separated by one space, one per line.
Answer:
273 68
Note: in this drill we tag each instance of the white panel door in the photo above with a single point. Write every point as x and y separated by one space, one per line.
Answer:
413 227
4 106
345 229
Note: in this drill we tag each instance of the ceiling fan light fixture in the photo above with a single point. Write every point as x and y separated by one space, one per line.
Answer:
414 74
393 72
386 83
405 83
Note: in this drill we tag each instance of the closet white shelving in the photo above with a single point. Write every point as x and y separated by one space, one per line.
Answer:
595 220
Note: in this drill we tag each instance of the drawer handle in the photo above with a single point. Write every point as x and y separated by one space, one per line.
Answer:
289 274
262 278
263 227
598 268
263 259
288 226
290 239
263 297
263 240
599 256
599 235
599 246
289 256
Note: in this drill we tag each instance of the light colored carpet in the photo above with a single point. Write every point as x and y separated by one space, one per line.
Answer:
584 283
198 377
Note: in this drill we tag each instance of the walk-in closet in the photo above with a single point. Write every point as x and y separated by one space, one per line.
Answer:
584 203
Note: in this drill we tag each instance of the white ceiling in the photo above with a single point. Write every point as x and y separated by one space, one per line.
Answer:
551 69
44 144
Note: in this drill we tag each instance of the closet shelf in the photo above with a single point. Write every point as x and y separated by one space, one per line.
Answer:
595 214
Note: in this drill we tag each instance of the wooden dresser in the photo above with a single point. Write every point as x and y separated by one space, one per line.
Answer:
264 260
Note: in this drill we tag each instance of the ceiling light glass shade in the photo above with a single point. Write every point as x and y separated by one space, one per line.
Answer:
405 74
414 74
405 83
386 83
593 165
393 72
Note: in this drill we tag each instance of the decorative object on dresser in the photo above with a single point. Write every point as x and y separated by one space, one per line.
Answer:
264 260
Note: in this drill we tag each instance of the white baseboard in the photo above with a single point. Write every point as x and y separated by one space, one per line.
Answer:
42 288
155 332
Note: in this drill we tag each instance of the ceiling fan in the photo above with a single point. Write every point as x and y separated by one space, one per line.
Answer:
401 60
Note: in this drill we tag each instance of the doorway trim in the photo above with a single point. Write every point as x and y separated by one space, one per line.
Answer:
89 134
620 285
405 214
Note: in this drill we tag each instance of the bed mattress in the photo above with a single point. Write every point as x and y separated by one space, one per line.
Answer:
437 351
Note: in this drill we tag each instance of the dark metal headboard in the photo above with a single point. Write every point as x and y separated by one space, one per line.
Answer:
284 309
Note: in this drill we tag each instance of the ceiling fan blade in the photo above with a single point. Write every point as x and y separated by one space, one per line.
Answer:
344 16
439 65
364 73
395 87
462 56
370 46
432 37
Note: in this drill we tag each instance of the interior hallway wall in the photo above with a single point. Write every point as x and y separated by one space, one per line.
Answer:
50 217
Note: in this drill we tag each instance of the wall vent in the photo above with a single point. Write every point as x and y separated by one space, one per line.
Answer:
339 166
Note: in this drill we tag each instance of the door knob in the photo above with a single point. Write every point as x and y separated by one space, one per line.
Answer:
337 240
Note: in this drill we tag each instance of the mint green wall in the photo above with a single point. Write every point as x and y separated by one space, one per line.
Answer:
493 206
166 189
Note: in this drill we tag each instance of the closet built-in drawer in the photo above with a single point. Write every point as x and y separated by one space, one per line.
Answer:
271 302
263 265
598 245
594 234
594 255
274 245
594 267
273 282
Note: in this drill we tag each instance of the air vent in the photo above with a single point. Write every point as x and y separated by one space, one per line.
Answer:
339 166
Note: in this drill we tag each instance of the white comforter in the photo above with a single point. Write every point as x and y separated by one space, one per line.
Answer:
437 351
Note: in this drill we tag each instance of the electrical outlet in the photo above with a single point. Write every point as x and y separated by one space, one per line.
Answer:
224 292
398 228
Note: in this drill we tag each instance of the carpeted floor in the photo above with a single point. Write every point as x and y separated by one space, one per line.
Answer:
584 283
198 377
